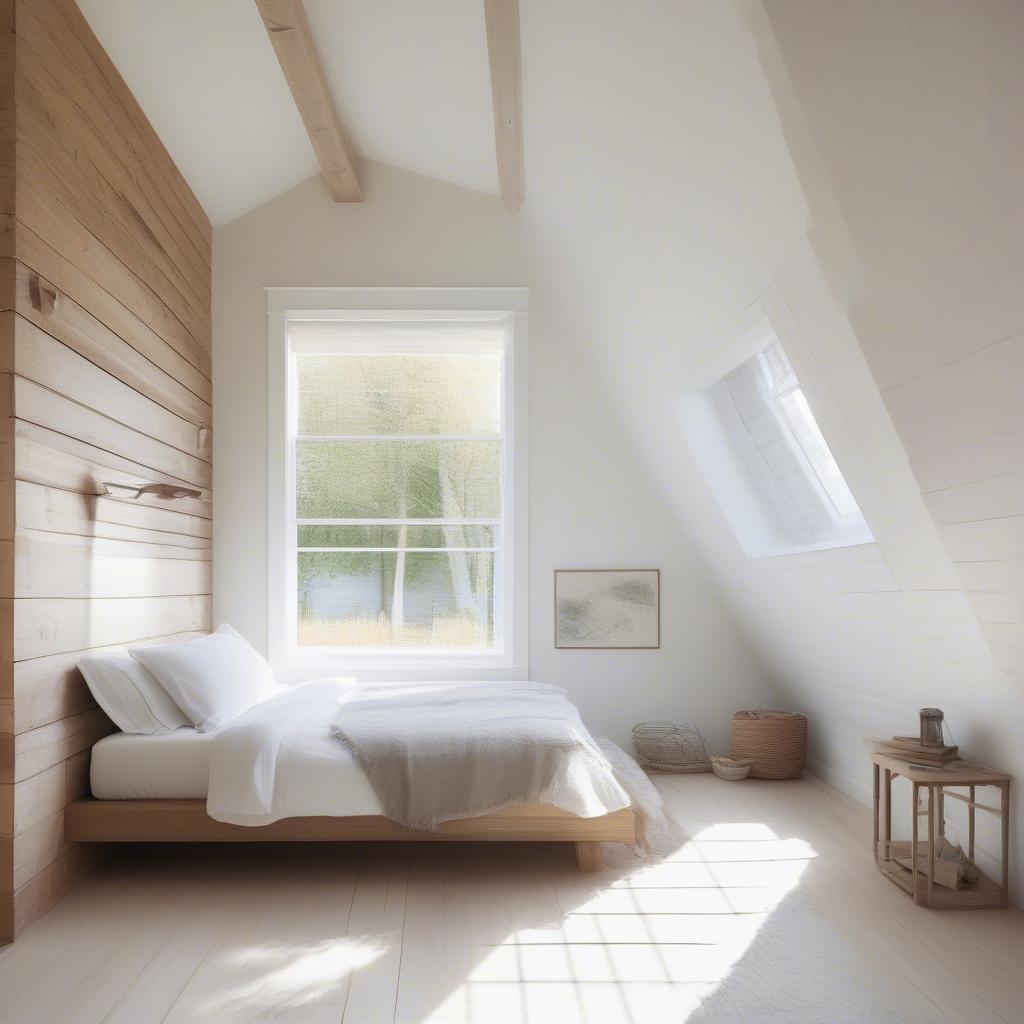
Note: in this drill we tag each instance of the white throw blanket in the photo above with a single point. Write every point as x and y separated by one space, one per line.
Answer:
435 752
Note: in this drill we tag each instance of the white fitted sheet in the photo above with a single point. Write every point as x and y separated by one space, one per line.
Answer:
316 773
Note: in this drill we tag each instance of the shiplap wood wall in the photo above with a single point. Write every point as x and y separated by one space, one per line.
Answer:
105 343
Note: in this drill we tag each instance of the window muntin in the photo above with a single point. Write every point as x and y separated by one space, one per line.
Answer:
397 466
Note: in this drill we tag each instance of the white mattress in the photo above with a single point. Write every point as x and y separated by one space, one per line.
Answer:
316 774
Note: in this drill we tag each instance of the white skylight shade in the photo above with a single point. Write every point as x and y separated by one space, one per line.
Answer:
769 463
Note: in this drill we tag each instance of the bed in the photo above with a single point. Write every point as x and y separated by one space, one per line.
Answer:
188 785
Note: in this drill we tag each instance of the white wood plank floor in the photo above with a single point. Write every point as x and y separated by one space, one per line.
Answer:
486 934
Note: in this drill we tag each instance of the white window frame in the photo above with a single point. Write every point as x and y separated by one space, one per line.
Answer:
509 657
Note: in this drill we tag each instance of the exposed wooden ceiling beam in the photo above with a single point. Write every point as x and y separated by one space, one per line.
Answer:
286 24
502 17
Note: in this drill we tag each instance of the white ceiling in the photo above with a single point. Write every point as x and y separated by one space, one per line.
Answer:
410 80
412 83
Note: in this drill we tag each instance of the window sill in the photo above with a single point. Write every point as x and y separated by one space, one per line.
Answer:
817 554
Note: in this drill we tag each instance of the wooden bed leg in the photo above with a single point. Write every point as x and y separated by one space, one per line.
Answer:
640 835
588 856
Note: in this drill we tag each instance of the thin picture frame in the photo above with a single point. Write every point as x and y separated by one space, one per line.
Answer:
559 640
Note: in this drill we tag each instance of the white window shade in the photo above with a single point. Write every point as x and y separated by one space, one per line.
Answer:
768 462
397 330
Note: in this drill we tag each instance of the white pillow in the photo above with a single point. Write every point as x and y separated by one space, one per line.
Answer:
213 679
132 698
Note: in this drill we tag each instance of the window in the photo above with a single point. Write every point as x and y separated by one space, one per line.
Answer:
397 467
768 462
399 471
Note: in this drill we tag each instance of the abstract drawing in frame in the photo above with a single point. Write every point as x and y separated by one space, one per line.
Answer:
607 608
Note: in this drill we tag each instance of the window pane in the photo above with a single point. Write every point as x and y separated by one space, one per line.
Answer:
456 536
406 393
777 467
780 456
777 367
807 432
388 599
398 479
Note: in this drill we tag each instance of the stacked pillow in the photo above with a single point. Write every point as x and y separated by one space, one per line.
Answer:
204 683
132 698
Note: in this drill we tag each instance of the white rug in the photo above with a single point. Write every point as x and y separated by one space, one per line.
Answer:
801 970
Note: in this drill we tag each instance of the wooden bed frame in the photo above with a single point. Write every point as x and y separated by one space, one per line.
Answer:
186 821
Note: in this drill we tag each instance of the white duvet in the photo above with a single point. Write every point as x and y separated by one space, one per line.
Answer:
246 755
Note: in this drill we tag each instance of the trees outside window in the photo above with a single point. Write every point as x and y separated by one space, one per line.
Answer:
398 460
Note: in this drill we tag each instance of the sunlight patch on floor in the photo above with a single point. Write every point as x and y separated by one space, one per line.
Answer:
649 946
288 975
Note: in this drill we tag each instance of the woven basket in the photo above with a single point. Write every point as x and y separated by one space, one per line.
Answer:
775 741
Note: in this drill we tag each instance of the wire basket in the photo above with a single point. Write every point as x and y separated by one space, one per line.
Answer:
668 747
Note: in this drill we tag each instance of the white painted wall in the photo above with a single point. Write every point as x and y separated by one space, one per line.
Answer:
591 502
854 167
909 141
677 178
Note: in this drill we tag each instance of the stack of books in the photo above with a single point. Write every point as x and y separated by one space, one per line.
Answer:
909 748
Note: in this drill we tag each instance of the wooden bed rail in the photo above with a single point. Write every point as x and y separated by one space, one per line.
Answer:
186 821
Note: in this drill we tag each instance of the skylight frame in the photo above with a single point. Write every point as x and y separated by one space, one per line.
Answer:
732 483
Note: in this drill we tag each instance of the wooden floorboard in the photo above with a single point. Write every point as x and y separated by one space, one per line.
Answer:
379 933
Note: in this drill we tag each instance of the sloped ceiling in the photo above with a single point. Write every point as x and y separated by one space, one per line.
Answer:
410 80
860 169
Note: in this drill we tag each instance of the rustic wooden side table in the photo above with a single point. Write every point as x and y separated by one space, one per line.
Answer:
940 784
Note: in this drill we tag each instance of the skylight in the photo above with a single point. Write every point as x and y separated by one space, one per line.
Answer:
768 462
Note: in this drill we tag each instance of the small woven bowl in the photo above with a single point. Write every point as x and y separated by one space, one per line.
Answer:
731 769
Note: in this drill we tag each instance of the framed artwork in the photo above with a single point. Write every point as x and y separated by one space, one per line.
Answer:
607 608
